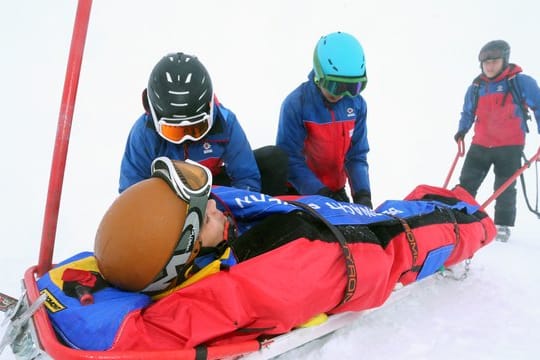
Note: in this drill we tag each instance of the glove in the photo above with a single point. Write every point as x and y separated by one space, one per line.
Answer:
363 197
459 135
339 195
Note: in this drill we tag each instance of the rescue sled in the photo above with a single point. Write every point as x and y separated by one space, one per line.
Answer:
30 332
443 243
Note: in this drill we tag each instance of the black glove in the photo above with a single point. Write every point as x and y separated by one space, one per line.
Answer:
363 197
460 135
339 195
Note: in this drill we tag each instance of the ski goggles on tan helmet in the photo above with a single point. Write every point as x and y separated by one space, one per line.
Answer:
178 129
192 183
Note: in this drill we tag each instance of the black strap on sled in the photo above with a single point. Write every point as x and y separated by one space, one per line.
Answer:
476 90
411 240
349 261
201 353
450 214
524 188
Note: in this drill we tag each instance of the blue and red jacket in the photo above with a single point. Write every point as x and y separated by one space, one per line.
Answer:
326 143
498 119
226 145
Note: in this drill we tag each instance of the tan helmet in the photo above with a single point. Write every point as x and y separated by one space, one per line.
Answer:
149 234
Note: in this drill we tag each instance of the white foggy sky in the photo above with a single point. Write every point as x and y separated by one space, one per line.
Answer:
420 54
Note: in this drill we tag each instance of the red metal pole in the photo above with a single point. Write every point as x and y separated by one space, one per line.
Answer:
460 153
56 179
508 182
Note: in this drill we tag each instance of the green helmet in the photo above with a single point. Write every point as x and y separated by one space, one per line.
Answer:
339 64
339 54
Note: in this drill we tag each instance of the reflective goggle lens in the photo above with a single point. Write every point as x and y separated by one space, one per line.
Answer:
343 86
187 178
176 133
179 129
491 54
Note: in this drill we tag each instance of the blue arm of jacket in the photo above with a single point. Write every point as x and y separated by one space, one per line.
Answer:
467 115
356 161
238 156
530 93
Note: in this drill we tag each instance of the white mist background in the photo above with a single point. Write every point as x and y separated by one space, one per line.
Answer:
421 55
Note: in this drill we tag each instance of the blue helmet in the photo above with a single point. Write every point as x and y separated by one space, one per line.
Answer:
340 55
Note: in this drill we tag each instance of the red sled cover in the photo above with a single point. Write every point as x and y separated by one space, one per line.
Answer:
274 292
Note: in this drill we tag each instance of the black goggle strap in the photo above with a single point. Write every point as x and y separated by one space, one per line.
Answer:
185 252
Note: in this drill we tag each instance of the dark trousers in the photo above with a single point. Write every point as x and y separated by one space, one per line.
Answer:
506 160
273 165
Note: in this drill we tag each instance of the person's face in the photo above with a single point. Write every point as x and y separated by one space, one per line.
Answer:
492 67
211 233
328 96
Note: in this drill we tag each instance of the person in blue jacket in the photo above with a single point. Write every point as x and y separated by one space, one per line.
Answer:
322 124
183 119
497 103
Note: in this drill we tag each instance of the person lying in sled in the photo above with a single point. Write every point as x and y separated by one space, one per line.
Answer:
241 265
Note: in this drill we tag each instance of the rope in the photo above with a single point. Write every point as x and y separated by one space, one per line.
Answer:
524 188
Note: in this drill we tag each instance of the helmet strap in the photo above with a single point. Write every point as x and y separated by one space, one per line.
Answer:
145 103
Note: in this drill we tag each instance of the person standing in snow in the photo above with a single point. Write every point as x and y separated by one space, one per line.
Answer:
184 120
322 124
497 103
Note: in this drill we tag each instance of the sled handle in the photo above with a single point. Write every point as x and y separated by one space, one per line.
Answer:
460 153
507 183
56 178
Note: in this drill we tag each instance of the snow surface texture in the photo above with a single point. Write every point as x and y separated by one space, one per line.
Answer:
421 56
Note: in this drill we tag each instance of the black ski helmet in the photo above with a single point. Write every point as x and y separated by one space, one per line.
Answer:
496 49
180 87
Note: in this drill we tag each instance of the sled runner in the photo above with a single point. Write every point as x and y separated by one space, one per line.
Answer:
6 302
424 234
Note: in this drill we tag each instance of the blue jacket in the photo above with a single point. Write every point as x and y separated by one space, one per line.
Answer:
498 119
326 143
225 145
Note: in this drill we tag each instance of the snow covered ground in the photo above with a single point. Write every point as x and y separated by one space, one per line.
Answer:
421 56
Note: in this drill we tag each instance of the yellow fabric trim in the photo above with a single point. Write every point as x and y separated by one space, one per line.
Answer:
314 321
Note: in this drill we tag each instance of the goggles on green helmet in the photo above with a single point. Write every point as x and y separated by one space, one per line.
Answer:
340 86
